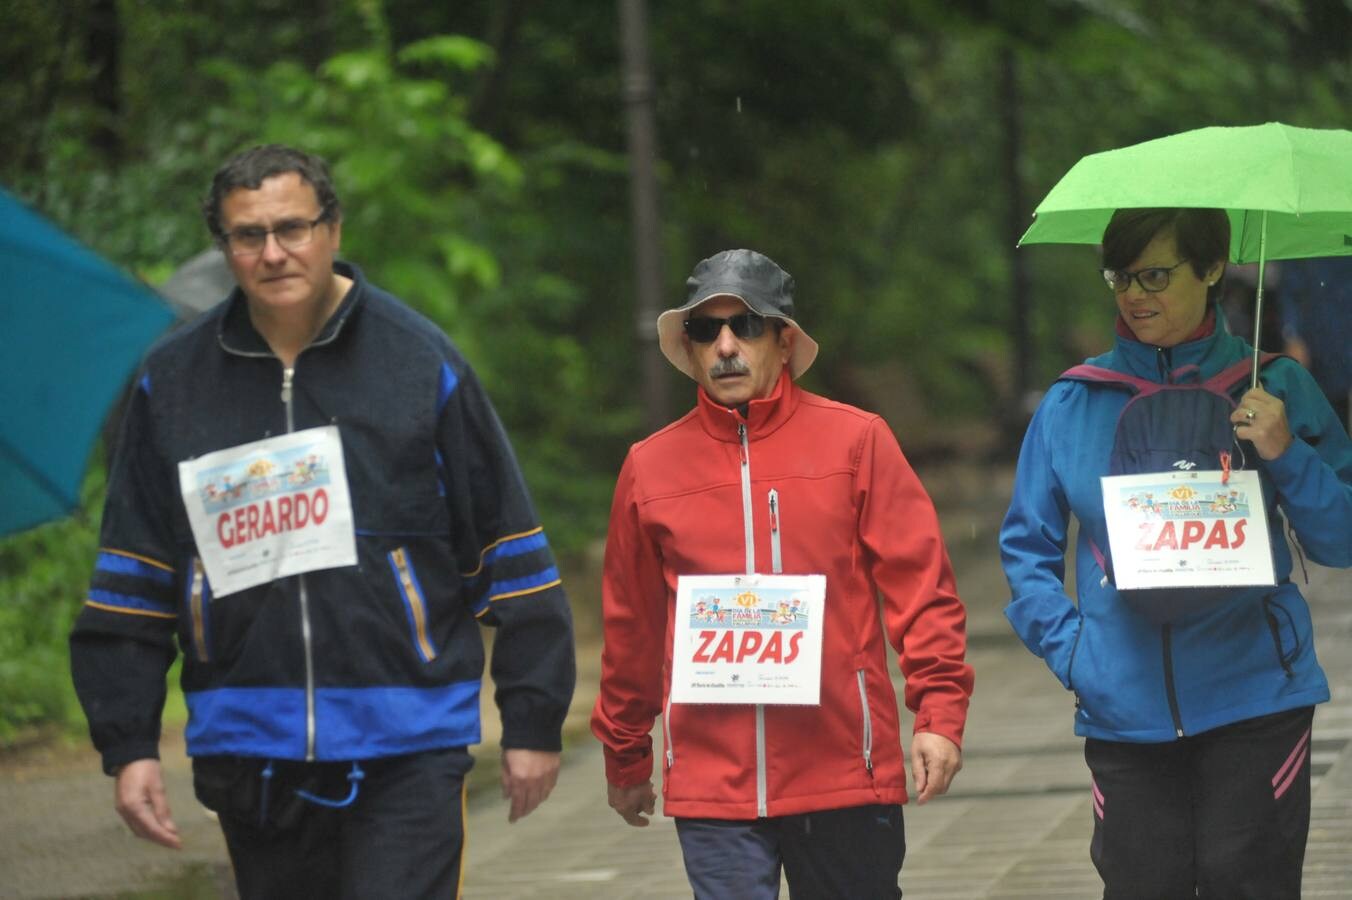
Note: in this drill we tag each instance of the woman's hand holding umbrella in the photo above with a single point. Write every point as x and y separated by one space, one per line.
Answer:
1260 418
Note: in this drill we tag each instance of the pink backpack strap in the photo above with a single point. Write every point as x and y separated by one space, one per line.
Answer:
1225 380
1101 375
1101 560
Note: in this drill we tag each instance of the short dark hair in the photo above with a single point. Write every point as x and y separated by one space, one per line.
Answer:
251 167
1201 235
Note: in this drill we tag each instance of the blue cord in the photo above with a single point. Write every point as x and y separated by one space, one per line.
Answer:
355 776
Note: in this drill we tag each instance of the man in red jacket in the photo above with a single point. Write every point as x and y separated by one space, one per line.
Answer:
749 544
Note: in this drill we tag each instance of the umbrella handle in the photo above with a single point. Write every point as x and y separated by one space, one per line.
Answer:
1258 303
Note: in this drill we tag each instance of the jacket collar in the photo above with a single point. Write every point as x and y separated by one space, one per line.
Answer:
238 336
763 416
1205 353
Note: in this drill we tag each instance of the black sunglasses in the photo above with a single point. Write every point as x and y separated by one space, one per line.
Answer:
705 329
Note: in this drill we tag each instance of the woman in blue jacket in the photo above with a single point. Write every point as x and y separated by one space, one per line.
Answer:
1197 729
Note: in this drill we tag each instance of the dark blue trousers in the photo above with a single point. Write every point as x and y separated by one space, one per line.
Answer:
401 837
836 854
1221 815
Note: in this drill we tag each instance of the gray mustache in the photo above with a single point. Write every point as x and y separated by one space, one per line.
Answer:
732 365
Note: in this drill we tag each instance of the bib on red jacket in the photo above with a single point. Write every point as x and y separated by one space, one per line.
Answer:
748 639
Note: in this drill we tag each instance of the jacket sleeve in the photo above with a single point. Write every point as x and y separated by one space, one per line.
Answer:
925 621
122 643
1033 549
510 578
1314 476
634 613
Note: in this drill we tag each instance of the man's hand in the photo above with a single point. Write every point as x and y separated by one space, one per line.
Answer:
632 802
527 778
140 800
934 761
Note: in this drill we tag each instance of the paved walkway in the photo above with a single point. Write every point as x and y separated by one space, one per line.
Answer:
1015 825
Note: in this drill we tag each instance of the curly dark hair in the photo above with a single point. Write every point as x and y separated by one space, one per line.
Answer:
251 167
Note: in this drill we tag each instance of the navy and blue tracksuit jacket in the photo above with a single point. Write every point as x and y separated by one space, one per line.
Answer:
377 659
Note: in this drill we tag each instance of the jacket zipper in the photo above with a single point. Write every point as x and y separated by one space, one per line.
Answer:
776 564
198 607
417 608
777 567
666 733
1275 628
1169 679
868 723
748 532
307 637
1070 666
750 535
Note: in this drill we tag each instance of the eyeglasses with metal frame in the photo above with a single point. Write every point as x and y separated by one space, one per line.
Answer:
292 234
1152 279
705 329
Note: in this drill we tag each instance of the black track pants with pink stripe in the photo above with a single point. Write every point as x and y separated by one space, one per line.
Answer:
1223 814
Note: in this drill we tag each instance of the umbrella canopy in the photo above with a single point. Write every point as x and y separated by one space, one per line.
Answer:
1298 180
72 327
198 284
1286 190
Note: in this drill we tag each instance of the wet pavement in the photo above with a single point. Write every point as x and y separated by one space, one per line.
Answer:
1015 826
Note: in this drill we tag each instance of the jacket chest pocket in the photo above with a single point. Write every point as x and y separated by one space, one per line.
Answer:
414 600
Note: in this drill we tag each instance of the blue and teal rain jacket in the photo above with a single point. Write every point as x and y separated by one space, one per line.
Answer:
1253 654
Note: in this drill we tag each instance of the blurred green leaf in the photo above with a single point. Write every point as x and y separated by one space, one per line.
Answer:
452 50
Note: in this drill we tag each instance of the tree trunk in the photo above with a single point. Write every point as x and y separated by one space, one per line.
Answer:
1017 412
103 40
484 110
638 99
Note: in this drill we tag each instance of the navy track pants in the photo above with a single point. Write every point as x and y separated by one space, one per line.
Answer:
855 853
401 837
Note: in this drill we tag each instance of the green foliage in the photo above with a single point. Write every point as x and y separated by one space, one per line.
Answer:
43 576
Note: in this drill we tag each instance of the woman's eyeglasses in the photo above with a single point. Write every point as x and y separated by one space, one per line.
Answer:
1152 280
705 329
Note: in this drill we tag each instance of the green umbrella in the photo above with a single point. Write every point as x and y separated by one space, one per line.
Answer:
1287 191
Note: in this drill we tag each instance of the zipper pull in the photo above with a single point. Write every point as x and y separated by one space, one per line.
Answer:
741 442
287 375
774 512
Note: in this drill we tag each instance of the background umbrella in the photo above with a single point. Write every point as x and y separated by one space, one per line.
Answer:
198 284
72 327
1287 191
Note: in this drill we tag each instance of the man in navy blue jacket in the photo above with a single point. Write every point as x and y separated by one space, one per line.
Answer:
314 429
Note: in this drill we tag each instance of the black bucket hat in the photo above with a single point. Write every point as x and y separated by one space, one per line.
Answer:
751 277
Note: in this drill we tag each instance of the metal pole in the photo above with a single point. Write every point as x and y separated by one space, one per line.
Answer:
638 102
1258 303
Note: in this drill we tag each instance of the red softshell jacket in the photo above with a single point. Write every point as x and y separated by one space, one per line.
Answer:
696 498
